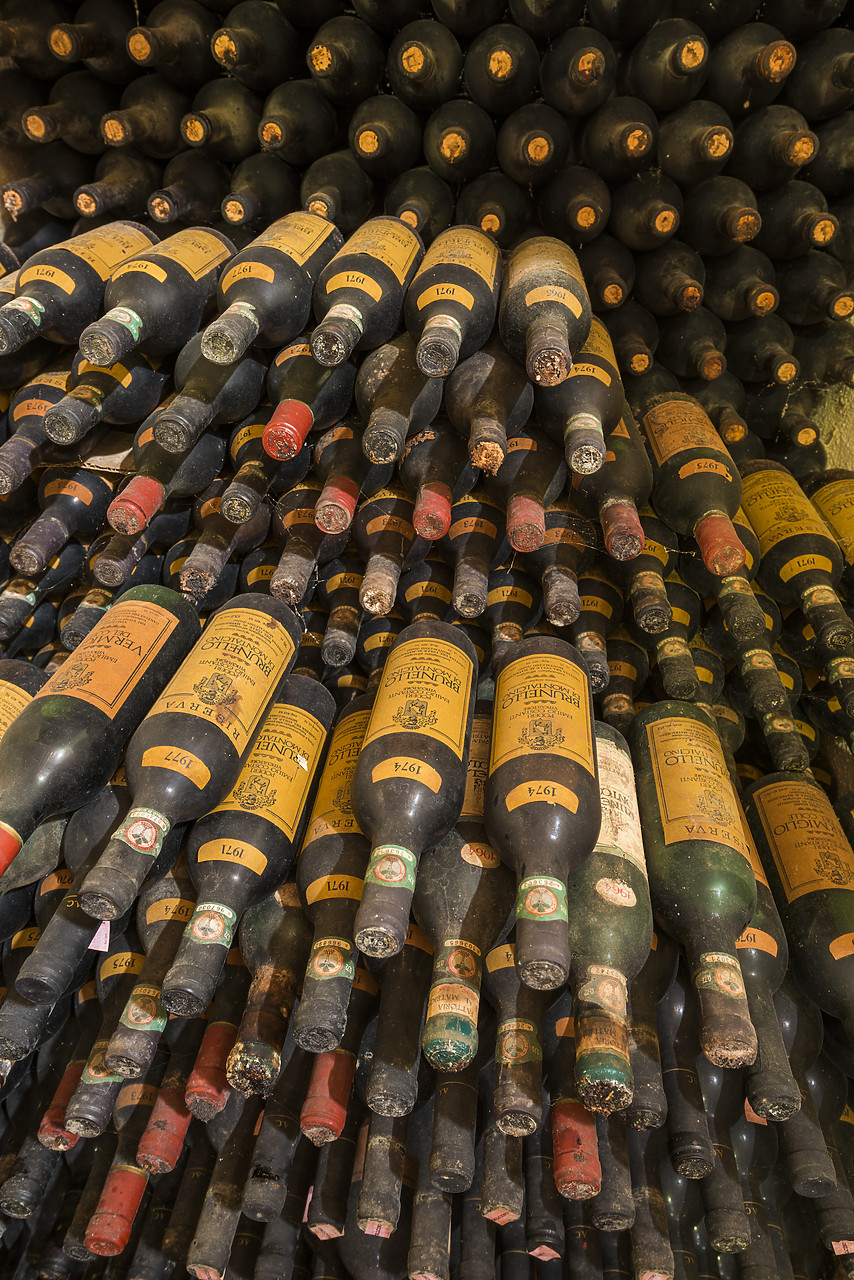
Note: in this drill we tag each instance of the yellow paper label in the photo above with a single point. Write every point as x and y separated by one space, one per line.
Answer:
446 293
279 773
407 767
25 938
756 940
334 887
170 909
386 240
477 770
179 761
245 434
425 688
778 508
541 791
354 280
599 344
105 669
542 703
12 702
584 369
61 279
676 425
835 501
806 839
695 796
121 962
195 250
57 880
298 234
465 247
333 808
502 957
804 564
246 271
515 594
228 675
236 851
104 248
553 293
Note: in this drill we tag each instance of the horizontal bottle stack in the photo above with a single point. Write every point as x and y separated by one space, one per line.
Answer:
427 668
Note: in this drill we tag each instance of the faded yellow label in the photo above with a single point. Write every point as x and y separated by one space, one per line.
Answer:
407 767
105 248
553 293
278 775
229 674
12 702
354 280
179 761
464 247
805 837
104 670
333 808
477 770
236 851
542 704
777 508
695 795
426 687
676 425
169 909
835 501
386 240
195 250
327 887
121 962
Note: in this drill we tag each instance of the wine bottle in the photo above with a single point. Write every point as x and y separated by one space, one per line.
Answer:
532 144
392 1085
670 279
298 123
688 1138
262 191
175 42
346 475
382 256
257 45
618 489
451 304
575 204
24 36
749 68
224 119
586 404
121 394
159 474
424 64
549 680
808 1164
384 136
462 900
218 1220
219 541
634 336
646 211
544 315
194 187
770 146
435 468
395 397
277 1146
497 205
255 472
795 218
96 38
345 59
324 1109
426 652
719 214
741 284
687 804
283 262
628 667
820 85
694 142
459 141
810 867
148 116
120 185
475 544
208 394
668 65
157 302
149 623
25 448
330 875
692 345
305 544
336 187
73 112
486 396
801 561
501 66
517 1098
611 885
567 549
832 172
814 288
233 866
619 139
578 71
609 269
73 502
243 655
423 201
308 397
42 307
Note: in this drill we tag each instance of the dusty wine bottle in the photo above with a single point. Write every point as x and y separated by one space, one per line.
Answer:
410 780
451 304
544 310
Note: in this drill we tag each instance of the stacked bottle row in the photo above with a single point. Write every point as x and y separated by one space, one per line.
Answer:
446 847
712 193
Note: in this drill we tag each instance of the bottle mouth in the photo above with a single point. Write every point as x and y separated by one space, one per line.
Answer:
716 143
